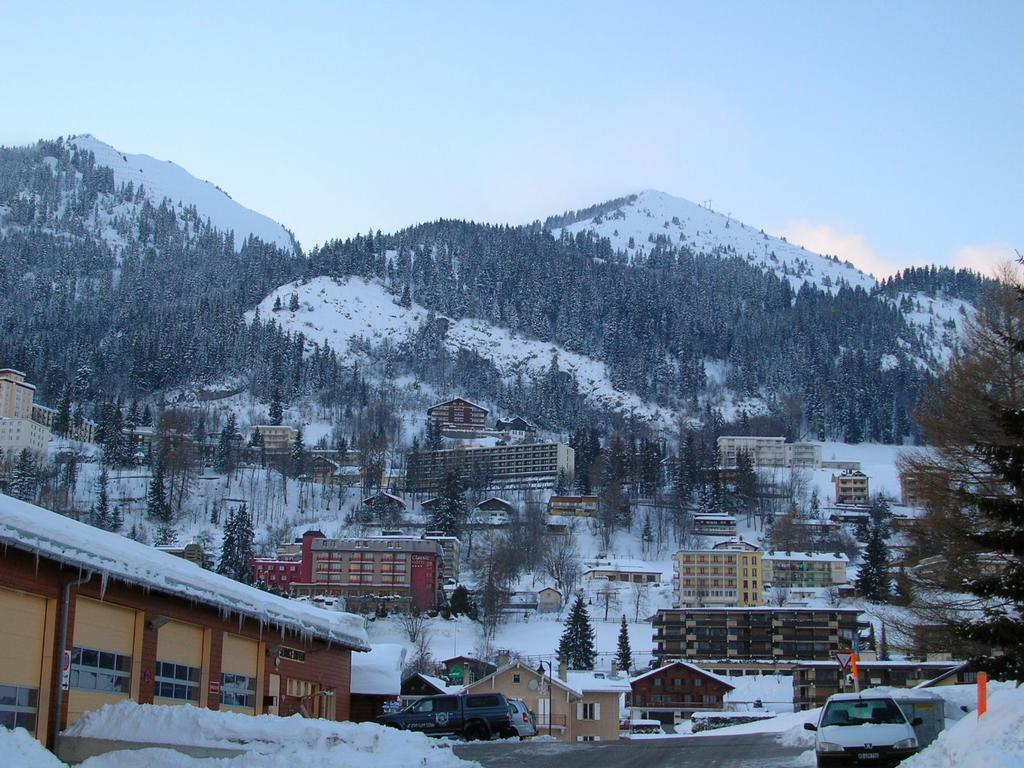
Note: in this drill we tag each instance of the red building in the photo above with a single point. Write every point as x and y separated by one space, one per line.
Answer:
675 691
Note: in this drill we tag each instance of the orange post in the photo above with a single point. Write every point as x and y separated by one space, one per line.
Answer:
855 672
982 693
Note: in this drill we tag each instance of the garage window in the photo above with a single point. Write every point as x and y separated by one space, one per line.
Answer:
18 707
177 681
237 690
103 671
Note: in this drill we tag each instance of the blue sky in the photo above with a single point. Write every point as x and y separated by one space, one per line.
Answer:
889 133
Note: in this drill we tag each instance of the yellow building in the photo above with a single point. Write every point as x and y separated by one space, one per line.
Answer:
18 431
713 577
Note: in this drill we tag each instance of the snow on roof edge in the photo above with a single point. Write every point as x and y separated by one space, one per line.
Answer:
66 541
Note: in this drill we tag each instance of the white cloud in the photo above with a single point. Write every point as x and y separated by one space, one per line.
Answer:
850 246
984 258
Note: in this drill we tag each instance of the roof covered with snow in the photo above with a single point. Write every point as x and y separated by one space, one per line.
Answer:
112 556
818 557
586 681
685 665
379 672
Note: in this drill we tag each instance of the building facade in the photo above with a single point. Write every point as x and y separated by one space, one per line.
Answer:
852 487
804 569
18 430
730 577
714 525
767 451
523 465
277 438
458 413
753 633
675 691
814 682
160 630
573 506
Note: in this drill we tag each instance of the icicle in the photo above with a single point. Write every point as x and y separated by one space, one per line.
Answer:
103 584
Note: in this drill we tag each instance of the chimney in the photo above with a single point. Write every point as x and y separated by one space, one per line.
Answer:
563 669
615 669
503 658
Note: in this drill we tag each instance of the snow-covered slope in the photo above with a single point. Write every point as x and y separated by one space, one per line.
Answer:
651 213
333 311
164 179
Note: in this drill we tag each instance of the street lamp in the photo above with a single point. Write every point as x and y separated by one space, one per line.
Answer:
540 671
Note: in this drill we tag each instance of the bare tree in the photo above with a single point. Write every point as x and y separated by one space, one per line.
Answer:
608 595
780 595
414 624
641 596
562 564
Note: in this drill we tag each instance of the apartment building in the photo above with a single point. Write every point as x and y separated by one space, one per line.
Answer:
852 487
718 577
523 465
762 633
18 431
390 572
815 681
277 438
768 451
804 569
159 631
83 430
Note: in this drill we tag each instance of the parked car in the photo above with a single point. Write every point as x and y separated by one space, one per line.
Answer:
523 722
468 716
863 729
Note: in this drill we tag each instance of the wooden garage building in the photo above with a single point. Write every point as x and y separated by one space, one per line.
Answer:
89 618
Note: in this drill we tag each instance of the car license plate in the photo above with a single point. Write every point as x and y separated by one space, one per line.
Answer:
867 755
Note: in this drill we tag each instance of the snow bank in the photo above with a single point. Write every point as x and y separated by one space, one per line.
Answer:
112 556
269 741
20 749
994 741
379 672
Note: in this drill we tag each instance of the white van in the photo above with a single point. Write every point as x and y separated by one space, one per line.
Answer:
863 729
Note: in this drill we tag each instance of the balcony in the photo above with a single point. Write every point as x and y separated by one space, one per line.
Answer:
554 720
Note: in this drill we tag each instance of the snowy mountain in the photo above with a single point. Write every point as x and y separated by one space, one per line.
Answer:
337 311
634 226
164 180
638 222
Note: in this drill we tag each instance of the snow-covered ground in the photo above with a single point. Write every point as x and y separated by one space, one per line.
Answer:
336 310
163 179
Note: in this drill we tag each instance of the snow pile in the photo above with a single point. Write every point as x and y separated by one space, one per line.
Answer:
996 740
268 741
164 179
110 555
774 691
379 672
20 749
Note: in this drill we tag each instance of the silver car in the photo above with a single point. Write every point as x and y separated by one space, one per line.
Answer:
522 719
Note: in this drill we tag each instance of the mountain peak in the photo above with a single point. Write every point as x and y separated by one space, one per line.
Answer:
164 179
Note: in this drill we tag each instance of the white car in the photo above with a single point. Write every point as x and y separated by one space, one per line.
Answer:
863 729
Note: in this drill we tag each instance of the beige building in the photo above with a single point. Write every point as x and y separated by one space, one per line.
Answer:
572 706
573 506
17 429
523 465
633 571
718 577
277 438
549 600
768 451
852 487
804 569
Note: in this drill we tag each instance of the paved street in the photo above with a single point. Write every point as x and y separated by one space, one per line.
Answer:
706 752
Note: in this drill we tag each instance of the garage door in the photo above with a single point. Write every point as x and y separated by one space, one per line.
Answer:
23 629
179 662
103 640
238 674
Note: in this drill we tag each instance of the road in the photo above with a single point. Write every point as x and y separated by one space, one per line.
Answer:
756 751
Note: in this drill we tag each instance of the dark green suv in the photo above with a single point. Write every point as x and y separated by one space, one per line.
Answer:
469 716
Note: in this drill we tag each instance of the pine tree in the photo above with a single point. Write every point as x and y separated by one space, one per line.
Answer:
236 551
874 580
298 455
25 482
624 655
224 457
883 645
157 507
449 510
276 408
577 643
102 509
62 421
293 303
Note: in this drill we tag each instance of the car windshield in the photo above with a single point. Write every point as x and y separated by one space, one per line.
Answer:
862 711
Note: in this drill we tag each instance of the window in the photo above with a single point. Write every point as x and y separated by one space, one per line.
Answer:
177 681
482 701
516 679
237 690
18 707
588 738
587 711
101 671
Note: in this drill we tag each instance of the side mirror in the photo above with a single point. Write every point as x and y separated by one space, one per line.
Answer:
810 727
916 721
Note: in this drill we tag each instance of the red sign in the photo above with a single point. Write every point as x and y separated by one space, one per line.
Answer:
215 688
